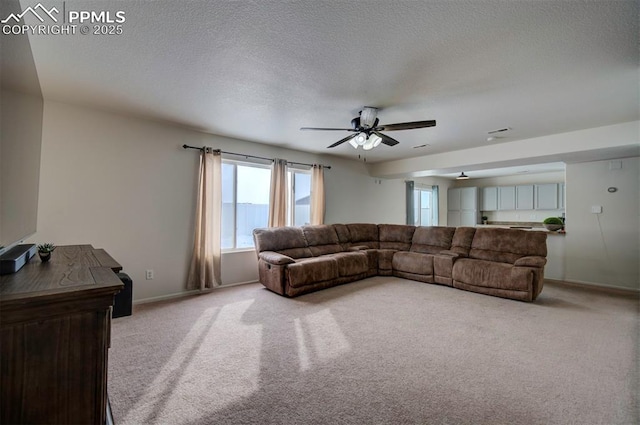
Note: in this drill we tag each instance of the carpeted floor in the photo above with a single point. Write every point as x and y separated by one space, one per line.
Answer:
379 351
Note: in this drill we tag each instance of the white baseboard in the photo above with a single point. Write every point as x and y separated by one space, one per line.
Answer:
229 285
187 293
166 297
596 285
197 292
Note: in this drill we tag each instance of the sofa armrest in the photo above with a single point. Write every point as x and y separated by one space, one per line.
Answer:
531 261
275 258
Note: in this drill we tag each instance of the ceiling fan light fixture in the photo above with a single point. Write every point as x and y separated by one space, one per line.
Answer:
373 142
361 139
368 116
462 176
366 125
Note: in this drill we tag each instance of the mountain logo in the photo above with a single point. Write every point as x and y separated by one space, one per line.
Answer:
34 11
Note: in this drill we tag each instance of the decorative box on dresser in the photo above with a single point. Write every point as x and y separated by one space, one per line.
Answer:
55 323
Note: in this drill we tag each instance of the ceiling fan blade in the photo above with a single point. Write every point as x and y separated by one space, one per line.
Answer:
330 129
341 141
386 139
406 125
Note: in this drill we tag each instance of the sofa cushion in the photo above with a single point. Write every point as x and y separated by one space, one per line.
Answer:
344 236
413 262
351 263
307 271
462 239
507 245
492 274
322 239
442 268
385 259
395 236
364 234
432 240
289 241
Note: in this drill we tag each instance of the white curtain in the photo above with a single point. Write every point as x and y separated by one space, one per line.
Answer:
204 272
317 194
278 194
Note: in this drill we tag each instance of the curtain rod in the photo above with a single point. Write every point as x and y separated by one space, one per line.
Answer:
253 156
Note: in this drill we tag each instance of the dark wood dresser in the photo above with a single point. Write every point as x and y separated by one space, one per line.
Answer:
55 323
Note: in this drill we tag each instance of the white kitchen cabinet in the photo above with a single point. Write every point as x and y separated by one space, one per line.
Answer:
546 196
507 198
489 199
469 199
469 218
454 218
453 199
462 206
524 197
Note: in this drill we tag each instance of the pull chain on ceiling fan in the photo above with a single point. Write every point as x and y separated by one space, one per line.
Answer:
368 131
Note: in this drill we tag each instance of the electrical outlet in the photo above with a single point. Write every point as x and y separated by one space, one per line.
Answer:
149 274
596 209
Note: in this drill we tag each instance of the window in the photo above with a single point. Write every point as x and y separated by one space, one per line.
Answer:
245 202
425 204
299 189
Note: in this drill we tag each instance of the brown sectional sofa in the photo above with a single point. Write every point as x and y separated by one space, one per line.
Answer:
507 263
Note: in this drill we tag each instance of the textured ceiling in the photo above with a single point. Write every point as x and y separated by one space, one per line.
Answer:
260 70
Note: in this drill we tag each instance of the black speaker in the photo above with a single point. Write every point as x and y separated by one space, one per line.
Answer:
124 298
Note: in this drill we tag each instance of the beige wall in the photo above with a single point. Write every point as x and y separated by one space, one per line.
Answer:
21 108
126 185
604 248
20 143
354 196
120 184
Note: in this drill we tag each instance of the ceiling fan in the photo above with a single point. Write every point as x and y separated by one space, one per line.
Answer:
368 131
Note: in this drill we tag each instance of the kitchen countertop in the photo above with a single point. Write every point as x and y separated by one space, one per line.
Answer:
537 227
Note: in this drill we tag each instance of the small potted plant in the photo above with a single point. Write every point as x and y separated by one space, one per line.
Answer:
553 224
45 250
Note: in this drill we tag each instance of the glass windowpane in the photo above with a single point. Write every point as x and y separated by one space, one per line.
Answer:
302 199
252 204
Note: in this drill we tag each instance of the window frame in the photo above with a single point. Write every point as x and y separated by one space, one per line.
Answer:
291 202
433 207
234 236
